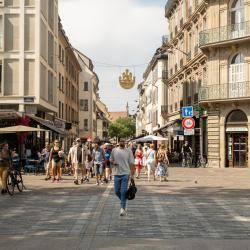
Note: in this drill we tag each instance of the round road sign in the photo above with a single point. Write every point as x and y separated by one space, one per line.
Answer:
188 123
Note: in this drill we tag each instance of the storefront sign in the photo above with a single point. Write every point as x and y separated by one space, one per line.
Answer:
189 131
236 129
59 123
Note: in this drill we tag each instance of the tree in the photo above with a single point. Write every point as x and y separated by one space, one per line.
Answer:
123 127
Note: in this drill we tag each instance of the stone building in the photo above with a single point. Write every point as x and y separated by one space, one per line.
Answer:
88 96
68 88
225 94
186 68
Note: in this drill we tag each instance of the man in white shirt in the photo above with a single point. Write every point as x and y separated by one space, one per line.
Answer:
122 160
77 156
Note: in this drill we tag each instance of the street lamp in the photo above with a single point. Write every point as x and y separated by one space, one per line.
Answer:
171 51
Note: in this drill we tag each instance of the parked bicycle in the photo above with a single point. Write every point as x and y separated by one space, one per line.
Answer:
201 162
14 179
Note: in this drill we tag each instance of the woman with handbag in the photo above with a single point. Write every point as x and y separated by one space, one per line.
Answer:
138 160
163 162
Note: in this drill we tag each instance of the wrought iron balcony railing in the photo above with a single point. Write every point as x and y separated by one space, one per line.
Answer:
233 90
224 33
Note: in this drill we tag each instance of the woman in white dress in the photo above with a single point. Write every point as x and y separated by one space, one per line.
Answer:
151 161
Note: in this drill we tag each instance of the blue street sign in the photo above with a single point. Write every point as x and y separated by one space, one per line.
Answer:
187 111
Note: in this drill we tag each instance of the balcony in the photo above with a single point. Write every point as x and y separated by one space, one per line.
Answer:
225 34
164 40
228 91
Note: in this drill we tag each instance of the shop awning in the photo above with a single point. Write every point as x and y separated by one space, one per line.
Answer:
46 124
168 125
19 129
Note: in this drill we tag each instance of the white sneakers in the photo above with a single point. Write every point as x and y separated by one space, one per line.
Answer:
123 212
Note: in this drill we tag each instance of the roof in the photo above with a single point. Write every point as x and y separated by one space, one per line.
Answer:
116 115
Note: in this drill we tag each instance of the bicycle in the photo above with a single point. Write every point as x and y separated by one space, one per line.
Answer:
14 178
186 160
201 162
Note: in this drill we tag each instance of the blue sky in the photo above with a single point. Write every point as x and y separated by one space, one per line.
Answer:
124 32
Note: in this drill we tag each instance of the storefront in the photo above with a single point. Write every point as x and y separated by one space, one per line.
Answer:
237 139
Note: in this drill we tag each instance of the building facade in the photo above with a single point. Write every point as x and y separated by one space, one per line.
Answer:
186 68
68 88
88 96
28 56
225 94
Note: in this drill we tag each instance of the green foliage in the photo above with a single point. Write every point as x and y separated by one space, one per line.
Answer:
122 128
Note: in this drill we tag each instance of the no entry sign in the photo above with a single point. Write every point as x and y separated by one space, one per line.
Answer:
188 123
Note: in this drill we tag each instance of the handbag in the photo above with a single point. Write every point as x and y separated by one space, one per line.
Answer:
130 194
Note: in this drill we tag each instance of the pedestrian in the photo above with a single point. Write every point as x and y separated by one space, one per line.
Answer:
122 161
4 165
163 162
98 158
56 160
77 157
144 158
186 151
45 155
107 152
151 161
138 160
88 163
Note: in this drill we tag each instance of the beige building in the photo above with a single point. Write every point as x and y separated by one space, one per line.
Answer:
88 96
153 95
186 67
103 120
225 91
68 88
28 48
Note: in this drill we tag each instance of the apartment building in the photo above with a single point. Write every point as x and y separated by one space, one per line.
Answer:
28 43
103 120
68 88
226 92
186 66
88 96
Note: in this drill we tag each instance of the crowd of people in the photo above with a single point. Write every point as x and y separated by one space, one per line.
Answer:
85 160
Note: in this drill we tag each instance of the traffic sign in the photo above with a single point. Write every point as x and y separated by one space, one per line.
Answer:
188 123
187 111
189 131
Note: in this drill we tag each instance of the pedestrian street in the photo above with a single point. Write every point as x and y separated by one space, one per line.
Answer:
196 209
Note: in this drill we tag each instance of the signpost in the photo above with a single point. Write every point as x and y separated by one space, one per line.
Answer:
187 111
188 124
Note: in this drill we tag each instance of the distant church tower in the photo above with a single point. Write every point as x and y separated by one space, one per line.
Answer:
127 109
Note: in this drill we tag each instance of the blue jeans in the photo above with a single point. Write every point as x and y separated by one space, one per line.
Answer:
121 187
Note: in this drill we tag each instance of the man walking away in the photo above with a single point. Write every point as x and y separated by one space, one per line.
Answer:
99 158
123 166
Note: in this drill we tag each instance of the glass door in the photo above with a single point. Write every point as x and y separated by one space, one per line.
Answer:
240 150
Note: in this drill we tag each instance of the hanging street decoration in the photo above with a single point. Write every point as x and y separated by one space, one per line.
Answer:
127 80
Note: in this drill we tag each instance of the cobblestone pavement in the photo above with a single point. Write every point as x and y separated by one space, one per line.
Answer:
196 209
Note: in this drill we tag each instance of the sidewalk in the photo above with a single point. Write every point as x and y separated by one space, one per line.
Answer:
197 209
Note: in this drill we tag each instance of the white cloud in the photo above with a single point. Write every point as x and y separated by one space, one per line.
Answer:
120 32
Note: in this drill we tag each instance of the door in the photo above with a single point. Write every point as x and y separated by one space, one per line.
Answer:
237 20
239 150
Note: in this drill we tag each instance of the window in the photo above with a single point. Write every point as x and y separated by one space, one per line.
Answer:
62 115
86 86
60 77
62 84
60 52
62 56
84 104
0 77
85 124
59 109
